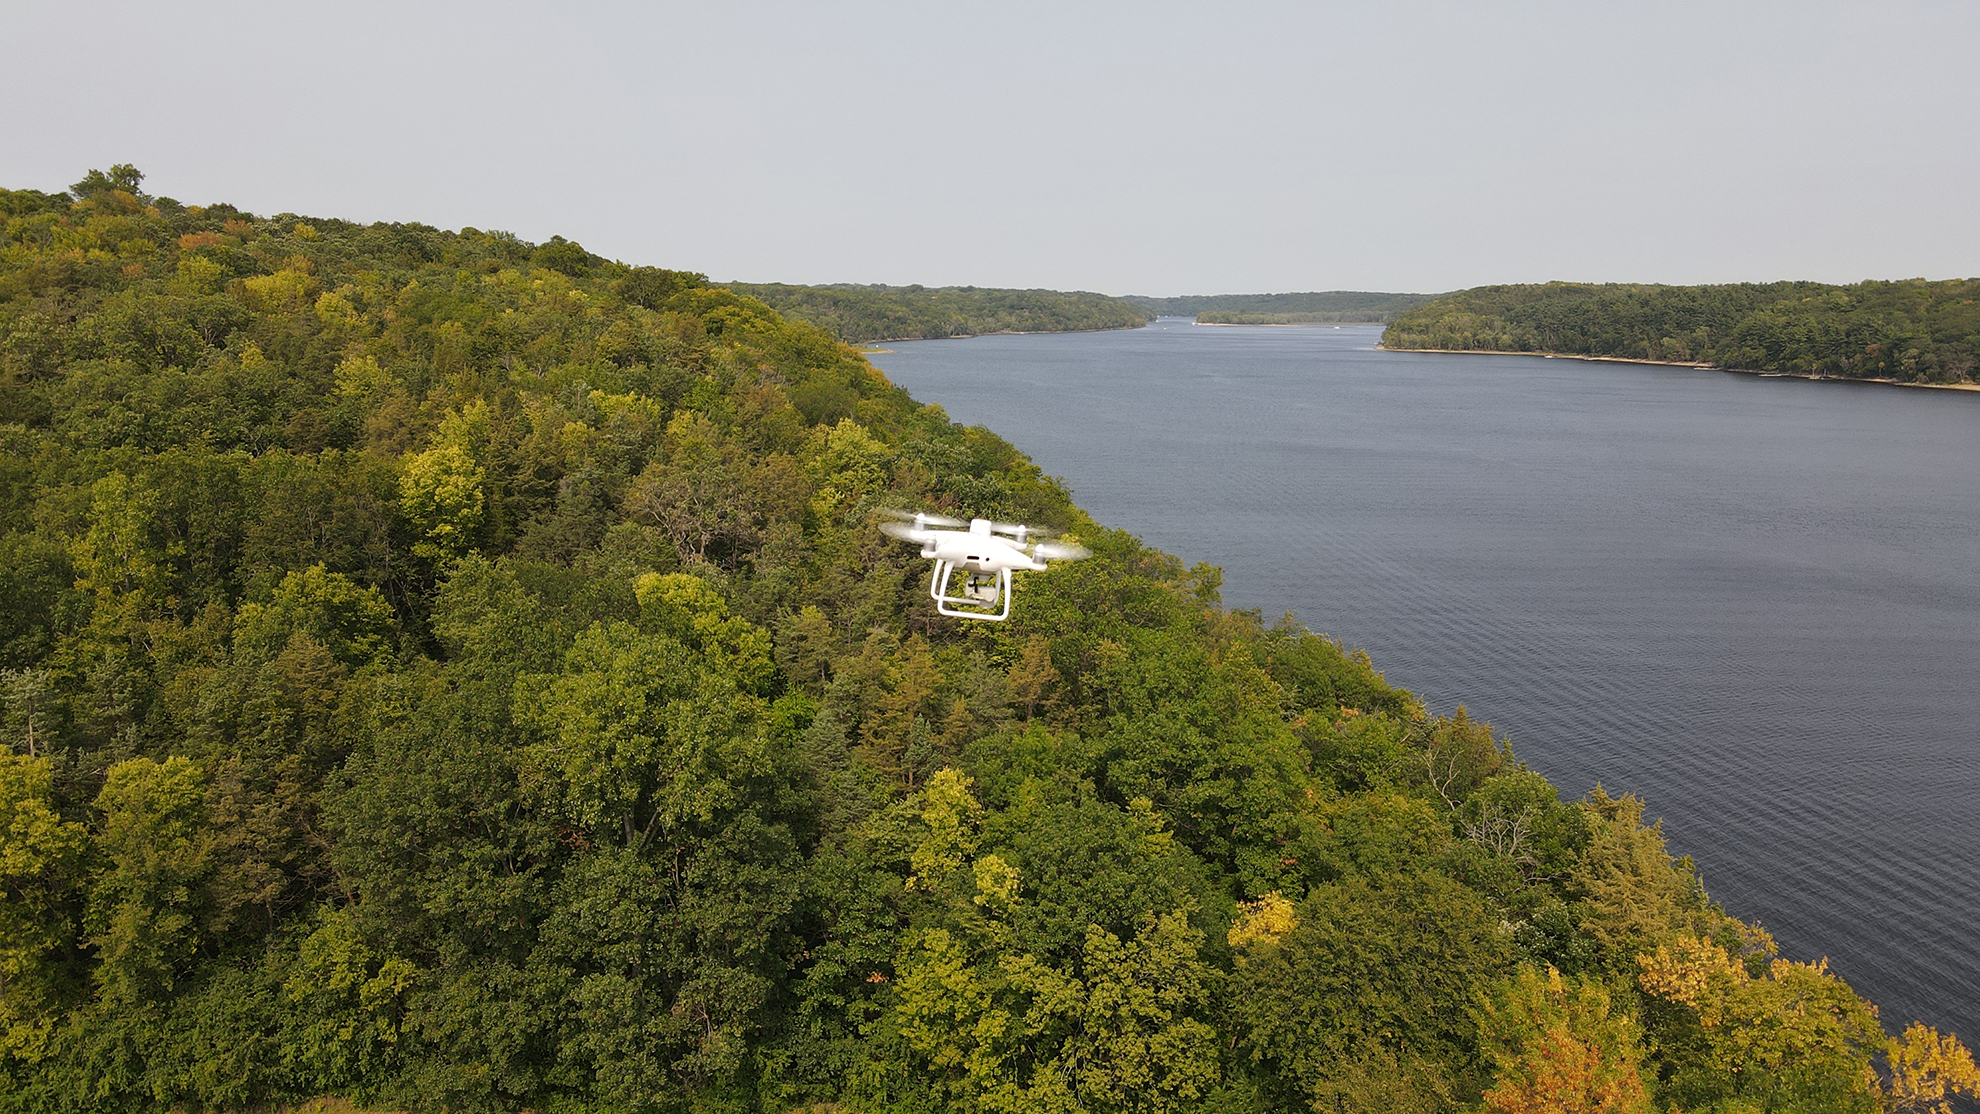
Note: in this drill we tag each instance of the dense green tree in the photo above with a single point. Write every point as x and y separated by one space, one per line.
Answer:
142 906
40 857
1634 892
1365 1003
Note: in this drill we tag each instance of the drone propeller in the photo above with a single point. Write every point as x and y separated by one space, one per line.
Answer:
1022 532
920 518
1060 551
915 526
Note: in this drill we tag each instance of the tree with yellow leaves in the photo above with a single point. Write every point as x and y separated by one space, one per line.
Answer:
1264 921
1929 1068
1003 1032
1792 1037
1561 1047
440 491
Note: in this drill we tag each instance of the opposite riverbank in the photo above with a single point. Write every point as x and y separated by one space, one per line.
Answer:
1686 363
877 314
1912 332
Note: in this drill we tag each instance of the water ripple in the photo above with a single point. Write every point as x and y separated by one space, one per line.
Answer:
1753 602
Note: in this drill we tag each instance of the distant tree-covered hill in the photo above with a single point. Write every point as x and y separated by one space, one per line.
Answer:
1234 317
858 314
461 674
1338 307
1911 331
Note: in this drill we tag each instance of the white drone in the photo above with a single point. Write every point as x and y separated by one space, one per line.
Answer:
986 552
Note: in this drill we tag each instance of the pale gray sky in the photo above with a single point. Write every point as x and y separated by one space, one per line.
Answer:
1129 148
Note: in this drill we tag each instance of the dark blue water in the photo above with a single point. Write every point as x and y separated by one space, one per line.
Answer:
1754 602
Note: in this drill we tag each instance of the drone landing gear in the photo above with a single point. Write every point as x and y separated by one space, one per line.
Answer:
984 595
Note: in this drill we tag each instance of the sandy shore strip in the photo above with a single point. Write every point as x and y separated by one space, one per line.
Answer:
1687 363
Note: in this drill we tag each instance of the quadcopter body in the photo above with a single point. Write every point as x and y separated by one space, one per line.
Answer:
974 560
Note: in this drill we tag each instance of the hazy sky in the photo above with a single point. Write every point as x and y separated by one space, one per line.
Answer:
1144 148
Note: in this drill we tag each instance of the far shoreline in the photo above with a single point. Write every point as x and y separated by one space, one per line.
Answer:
1688 363
1001 333
1284 324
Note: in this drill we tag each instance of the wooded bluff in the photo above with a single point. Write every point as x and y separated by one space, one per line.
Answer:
455 673
1911 331
868 313
1334 307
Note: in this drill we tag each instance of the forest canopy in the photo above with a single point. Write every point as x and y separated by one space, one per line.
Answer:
1232 317
1335 307
859 314
1913 331
455 673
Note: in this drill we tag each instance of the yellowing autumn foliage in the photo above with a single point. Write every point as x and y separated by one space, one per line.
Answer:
440 490
1928 1069
1787 1035
1265 921
1562 1048
288 290
951 813
1685 970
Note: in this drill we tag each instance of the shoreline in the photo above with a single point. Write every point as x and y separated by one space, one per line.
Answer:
998 333
1688 363
1290 325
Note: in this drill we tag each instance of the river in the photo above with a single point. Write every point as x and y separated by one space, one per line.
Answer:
1753 602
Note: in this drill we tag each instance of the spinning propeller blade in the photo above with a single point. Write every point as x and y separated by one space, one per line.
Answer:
921 518
1022 532
1060 551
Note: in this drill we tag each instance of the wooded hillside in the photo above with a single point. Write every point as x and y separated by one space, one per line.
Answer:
1912 331
859 314
456 673
1339 307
